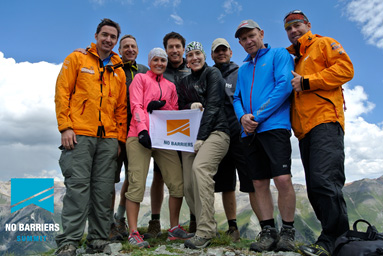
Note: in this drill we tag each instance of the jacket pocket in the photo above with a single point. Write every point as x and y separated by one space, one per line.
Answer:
330 101
83 105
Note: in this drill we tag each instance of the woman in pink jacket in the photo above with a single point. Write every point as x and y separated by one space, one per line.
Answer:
148 92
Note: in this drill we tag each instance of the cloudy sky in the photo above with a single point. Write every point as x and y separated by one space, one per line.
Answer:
36 36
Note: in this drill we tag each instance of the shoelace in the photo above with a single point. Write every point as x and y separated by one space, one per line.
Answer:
136 236
181 228
265 233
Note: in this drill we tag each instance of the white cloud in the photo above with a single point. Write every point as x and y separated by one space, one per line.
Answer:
356 102
177 19
369 15
363 141
28 133
229 7
174 3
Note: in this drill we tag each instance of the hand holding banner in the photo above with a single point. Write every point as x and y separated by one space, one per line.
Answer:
175 130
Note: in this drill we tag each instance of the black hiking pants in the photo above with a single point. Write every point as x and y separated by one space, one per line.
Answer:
322 154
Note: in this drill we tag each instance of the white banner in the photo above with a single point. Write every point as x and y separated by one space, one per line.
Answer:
176 130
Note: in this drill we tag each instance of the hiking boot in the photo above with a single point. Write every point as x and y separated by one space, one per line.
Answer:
234 234
178 233
154 229
98 246
66 250
192 226
312 250
121 226
114 235
286 239
197 242
267 240
136 239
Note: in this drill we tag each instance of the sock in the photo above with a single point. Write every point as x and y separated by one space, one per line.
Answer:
269 222
233 223
120 212
192 217
155 216
288 223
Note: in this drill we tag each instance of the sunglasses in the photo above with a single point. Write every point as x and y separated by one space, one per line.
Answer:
295 12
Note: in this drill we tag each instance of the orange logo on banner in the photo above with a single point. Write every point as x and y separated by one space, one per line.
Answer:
181 126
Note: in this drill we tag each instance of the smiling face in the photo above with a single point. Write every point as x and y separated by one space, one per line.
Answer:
158 65
221 55
128 50
106 40
195 60
251 39
297 30
175 51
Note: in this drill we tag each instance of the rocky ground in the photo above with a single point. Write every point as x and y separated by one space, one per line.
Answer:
179 249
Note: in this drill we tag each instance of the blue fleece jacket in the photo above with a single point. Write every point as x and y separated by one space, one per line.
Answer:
264 87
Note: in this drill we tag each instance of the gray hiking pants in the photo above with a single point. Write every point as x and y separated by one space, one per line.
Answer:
89 180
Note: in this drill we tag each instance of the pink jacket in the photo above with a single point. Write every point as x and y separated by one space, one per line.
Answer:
144 89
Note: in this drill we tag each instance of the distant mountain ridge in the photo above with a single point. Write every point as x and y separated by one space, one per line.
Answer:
364 200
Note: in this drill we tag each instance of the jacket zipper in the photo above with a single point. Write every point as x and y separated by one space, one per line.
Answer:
158 81
83 106
252 83
336 112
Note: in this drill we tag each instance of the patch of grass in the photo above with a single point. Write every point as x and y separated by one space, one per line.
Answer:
221 240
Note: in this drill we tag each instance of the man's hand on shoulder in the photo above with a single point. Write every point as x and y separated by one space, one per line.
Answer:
82 50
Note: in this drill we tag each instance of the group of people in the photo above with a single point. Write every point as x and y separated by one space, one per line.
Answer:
103 103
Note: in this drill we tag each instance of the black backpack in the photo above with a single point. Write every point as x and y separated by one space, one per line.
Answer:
355 243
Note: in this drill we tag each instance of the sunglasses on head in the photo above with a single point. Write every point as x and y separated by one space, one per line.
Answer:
295 12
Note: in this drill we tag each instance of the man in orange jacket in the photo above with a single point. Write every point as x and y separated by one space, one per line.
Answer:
91 115
321 68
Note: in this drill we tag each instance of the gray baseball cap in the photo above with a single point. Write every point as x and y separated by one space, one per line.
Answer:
246 24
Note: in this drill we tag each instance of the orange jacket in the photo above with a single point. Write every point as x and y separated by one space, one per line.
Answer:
325 67
86 104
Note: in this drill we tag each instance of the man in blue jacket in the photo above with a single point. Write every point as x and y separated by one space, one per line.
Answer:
262 106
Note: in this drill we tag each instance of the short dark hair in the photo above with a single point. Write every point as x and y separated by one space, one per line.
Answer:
174 35
124 37
109 22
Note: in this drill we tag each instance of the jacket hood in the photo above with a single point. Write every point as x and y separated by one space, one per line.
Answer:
227 68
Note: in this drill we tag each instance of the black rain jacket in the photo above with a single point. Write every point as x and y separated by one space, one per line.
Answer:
207 87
